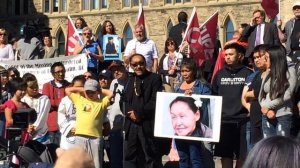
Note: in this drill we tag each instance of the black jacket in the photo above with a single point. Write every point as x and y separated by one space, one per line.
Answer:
144 105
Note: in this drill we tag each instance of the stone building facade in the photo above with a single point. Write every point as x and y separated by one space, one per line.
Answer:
159 15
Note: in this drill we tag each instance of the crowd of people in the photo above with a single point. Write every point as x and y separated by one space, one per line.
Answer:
111 107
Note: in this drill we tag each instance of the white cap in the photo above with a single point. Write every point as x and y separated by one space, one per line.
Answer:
296 4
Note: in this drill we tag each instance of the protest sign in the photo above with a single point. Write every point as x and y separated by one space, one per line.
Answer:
75 65
112 47
196 117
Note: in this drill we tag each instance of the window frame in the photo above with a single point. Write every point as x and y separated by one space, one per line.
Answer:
60 7
226 31
134 3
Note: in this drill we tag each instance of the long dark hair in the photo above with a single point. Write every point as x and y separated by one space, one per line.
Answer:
278 72
188 100
168 41
103 31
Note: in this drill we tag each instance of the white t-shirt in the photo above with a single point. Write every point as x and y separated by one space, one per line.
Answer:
147 48
7 53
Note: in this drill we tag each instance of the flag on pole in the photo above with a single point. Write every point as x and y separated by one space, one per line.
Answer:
208 32
271 7
72 39
141 18
193 37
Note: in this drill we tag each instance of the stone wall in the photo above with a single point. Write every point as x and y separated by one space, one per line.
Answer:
157 16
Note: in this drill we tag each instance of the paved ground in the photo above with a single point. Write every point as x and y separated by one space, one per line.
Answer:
175 164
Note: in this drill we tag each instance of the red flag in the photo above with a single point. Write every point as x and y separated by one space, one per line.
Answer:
141 18
221 57
73 37
209 36
271 7
193 37
219 64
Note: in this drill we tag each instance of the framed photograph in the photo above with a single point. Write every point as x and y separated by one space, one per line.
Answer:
195 117
112 47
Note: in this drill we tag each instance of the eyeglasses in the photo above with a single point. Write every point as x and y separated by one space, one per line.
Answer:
2 34
171 43
86 34
135 64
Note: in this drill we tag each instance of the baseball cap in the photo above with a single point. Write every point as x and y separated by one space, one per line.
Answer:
106 73
296 4
91 84
115 64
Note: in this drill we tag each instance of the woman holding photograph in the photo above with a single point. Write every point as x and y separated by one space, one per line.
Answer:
108 28
192 83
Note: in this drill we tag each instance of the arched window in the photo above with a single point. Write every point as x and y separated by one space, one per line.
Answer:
128 34
169 26
61 43
229 29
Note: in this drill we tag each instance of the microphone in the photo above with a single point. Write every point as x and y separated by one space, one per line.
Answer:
114 93
115 88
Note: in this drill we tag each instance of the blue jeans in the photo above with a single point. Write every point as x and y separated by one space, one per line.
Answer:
54 137
278 126
190 153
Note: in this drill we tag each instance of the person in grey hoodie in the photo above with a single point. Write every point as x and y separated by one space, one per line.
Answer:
276 94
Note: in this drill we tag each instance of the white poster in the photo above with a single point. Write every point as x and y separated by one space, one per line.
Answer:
196 117
75 65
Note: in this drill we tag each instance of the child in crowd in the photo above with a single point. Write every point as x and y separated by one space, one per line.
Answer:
89 117
41 104
67 116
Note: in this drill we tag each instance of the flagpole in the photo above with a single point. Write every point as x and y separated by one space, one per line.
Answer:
80 40
279 11
189 22
209 18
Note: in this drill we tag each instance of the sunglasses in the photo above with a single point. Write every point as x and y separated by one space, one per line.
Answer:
88 76
2 34
86 34
171 43
135 64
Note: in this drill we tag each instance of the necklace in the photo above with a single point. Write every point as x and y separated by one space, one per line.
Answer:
135 87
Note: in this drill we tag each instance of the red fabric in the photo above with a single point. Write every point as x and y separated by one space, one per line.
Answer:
55 95
221 57
11 105
72 38
208 34
141 18
193 37
271 7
